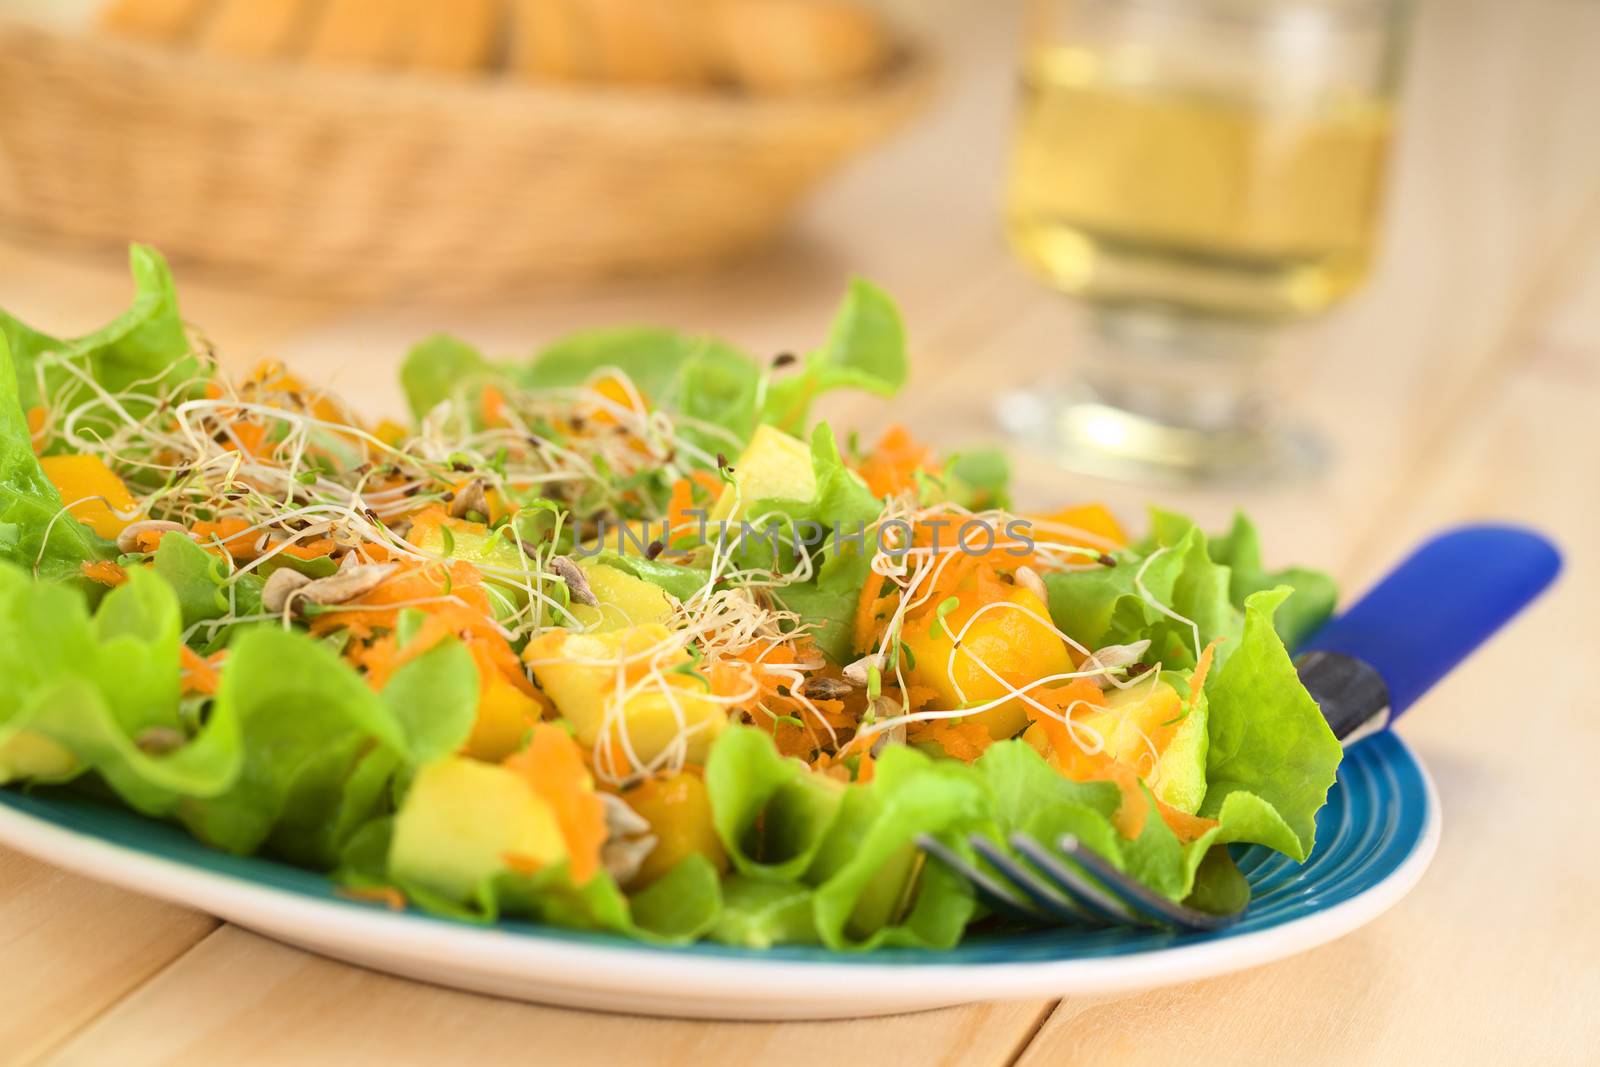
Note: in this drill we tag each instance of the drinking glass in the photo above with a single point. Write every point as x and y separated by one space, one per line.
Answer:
1201 175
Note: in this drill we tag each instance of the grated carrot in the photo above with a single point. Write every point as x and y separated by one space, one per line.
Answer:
871 607
891 467
105 572
1197 681
965 741
493 403
227 535
1072 762
553 765
387 895
684 516
199 675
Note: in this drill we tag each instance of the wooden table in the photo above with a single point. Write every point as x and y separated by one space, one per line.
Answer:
1465 383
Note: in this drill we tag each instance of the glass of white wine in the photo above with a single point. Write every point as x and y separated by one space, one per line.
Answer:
1201 174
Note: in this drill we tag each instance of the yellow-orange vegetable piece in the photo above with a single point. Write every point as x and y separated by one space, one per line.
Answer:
505 714
93 491
1014 641
678 809
892 466
553 766
105 572
1090 525
1052 738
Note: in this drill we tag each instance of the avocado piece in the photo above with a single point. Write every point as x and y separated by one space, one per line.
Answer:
624 600
887 898
27 755
491 551
459 822
626 537
1153 712
472 542
577 672
774 466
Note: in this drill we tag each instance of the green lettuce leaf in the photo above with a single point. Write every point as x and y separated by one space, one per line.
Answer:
83 691
770 811
758 913
1102 606
1031 797
198 578
719 393
1204 581
1272 757
443 368
145 346
34 534
293 768
841 515
434 700
978 479
865 349
1315 594
872 886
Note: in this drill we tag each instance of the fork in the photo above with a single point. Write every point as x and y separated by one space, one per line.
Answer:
1365 669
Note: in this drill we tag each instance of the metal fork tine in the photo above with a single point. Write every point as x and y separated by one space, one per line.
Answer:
1104 903
1134 894
1062 908
1078 888
992 892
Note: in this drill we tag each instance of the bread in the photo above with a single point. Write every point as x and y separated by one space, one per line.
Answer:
165 21
783 46
647 42
765 46
356 33
450 35
546 41
255 29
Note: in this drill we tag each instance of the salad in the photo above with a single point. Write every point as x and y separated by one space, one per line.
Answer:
618 638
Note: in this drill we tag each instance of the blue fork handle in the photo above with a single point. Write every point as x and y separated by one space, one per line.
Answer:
1435 608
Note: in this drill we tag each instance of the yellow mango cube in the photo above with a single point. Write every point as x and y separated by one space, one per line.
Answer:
1010 638
505 713
678 809
587 675
94 494
624 600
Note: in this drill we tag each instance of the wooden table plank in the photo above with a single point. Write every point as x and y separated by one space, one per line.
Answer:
268 1004
72 947
1490 206
1495 958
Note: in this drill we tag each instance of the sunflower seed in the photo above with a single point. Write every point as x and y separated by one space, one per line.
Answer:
1029 579
1111 659
346 584
628 839
826 689
621 819
471 498
283 585
159 740
623 859
128 539
577 584
858 672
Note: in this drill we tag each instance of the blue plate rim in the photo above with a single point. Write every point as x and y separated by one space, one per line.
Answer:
351 929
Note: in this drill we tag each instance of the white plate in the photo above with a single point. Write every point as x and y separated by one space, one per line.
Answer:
1375 838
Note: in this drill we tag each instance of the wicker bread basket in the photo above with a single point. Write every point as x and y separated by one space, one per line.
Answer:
366 184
